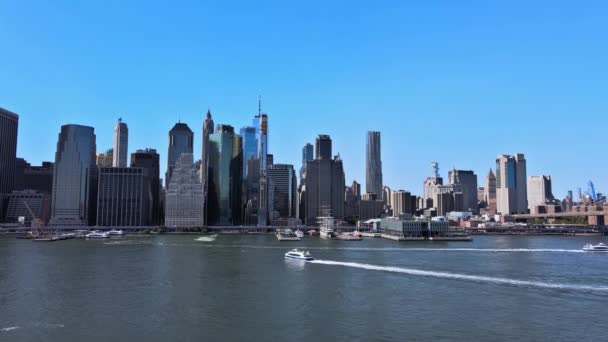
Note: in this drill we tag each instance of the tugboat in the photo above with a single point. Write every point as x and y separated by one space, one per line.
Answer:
600 247
296 254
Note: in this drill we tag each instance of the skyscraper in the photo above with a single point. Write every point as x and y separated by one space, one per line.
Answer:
9 122
323 147
373 165
208 129
511 184
539 192
308 154
263 195
180 141
490 192
325 184
121 144
225 174
74 195
148 161
468 180
184 197
283 178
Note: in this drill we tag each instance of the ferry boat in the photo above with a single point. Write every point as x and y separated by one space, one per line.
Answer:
299 255
600 247
97 235
115 232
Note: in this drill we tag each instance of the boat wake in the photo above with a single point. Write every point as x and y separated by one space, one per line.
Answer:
209 238
458 276
7 329
406 249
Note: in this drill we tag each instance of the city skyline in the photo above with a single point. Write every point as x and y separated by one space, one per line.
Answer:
390 75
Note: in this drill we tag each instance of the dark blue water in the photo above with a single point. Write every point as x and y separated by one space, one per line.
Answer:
240 288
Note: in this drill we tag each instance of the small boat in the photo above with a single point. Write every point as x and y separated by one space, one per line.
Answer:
115 232
299 233
357 234
97 235
600 247
296 254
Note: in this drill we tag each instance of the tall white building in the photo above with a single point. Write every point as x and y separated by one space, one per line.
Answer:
511 185
184 198
539 191
121 144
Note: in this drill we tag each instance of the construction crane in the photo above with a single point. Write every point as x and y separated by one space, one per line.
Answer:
591 191
36 222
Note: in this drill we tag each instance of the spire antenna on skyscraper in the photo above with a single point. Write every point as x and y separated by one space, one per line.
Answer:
259 105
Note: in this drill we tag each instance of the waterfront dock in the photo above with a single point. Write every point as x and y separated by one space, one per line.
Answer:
371 235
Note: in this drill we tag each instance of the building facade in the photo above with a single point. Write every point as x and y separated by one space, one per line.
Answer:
373 165
539 192
511 184
73 201
308 154
38 178
149 161
28 205
184 197
9 123
121 145
121 198
181 140
401 203
225 177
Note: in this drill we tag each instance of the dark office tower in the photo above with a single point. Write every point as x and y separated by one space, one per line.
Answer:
325 185
373 165
121 144
468 180
180 141
148 161
356 188
283 178
269 160
74 177
8 149
38 178
122 201
308 153
323 147
225 173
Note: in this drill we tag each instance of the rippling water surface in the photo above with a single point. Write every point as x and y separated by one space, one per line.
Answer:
224 288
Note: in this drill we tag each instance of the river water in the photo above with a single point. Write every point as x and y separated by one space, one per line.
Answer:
240 288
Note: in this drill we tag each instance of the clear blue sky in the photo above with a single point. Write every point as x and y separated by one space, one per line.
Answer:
456 82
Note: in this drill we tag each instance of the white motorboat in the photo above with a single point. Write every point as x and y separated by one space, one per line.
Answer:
97 235
328 225
296 254
600 247
115 232
299 233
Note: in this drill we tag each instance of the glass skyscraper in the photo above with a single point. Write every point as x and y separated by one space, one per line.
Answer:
75 177
225 172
